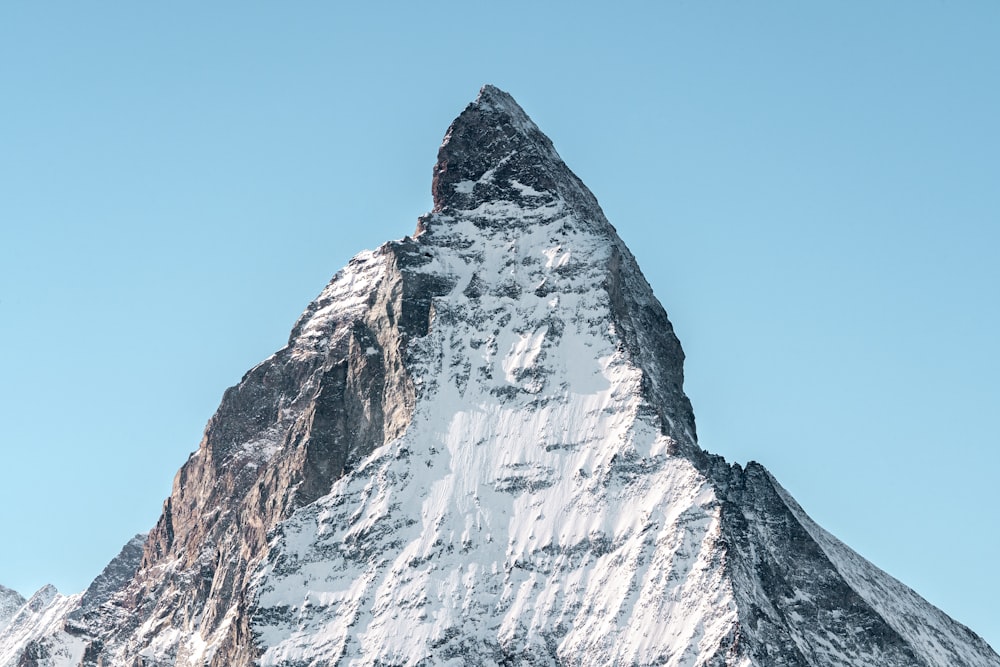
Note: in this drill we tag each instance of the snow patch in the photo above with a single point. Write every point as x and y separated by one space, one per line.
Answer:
525 190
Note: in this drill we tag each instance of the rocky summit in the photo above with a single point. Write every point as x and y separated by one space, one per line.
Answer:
476 449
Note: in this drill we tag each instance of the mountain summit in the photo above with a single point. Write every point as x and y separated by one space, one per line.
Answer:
494 152
475 449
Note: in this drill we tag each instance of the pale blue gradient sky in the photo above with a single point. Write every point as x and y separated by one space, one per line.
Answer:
811 188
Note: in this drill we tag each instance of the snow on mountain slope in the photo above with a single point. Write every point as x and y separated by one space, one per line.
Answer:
548 504
533 508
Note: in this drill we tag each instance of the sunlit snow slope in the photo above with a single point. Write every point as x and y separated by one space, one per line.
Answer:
533 508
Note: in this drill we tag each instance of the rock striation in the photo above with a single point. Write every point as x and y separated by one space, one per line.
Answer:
476 449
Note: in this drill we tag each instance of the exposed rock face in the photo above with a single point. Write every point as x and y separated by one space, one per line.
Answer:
476 449
495 164
113 578
295 424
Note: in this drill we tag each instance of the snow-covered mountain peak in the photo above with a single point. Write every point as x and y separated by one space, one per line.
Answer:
42 597
476 449
519 514
547 503
512 220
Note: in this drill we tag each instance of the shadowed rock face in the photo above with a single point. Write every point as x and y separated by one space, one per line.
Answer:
291 427
493 152
476 447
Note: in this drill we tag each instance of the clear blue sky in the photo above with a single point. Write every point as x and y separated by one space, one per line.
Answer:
813 189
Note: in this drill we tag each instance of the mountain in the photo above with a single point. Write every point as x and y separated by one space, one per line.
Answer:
476 449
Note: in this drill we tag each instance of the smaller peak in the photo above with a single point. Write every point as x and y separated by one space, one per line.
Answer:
9 592
48 590
42 597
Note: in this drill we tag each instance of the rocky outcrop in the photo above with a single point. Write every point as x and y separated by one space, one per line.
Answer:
113 578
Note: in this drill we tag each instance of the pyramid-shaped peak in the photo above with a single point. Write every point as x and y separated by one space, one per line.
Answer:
494 152
500 103
476 449
42 597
